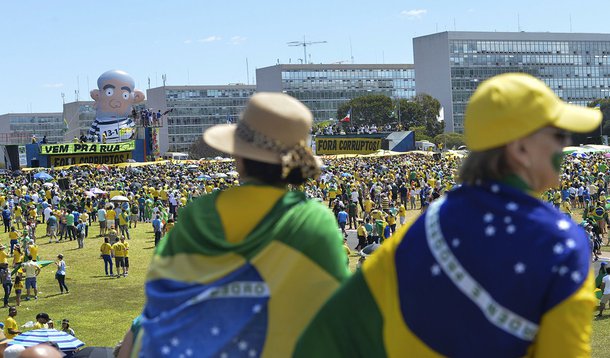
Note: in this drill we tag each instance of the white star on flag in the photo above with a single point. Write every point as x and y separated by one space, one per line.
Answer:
165 350
243 345
563 270
576 276
563 224
512 206
188 352
436 270
519 268
570 243
490 231
488 217
252 353
508 219
455 242
558 249
495 188
215 331
256 308
174 342
511 229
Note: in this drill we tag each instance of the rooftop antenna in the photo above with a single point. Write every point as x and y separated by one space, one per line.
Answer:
164 79
518 23
570 22
304 44
247 72
351 53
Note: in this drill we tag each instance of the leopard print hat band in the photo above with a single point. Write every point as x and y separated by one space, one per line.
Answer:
298 156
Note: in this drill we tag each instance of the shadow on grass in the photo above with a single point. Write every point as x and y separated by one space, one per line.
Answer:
53 295
104 277
602 318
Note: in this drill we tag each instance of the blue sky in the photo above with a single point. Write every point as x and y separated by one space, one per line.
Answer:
52 47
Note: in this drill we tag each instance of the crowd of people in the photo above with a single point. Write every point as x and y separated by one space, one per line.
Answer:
371 195
349 128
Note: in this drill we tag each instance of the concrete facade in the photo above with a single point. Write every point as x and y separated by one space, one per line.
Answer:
325 87
193 110
451 65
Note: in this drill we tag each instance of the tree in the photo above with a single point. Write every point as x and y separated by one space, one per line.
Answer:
420 133
430 108
200 149
370 109
593 137
410 114
421 111
449 140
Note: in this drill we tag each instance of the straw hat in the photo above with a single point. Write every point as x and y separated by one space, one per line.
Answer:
273 129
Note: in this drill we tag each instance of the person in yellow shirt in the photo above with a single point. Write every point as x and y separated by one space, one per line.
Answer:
163 195
11 328
19 285
347 250
566 207
17 256
361 232
106 251
42 321
33 215
168 226
13 236
3 255
110 216
368 206
402 214
18 213
391 220
32 250
118 250
126 257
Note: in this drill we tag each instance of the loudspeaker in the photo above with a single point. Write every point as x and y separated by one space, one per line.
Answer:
11 152
64 183
35 163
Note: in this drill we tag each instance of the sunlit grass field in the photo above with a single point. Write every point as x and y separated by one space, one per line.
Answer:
100 308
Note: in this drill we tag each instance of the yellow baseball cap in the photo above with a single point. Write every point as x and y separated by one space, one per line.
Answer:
510 106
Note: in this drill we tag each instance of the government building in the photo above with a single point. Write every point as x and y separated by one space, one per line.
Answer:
450 65
192 109
325 87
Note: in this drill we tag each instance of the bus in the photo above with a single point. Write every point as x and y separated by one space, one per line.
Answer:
175 156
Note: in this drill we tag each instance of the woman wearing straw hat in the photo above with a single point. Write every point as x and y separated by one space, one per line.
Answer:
504 274
241 264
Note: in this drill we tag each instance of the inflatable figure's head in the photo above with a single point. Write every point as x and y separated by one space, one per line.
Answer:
116 94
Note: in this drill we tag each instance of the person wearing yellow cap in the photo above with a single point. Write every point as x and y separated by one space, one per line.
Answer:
515 270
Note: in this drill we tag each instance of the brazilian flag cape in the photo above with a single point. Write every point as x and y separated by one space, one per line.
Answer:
242 273
487 271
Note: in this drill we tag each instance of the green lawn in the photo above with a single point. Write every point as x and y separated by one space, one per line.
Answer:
100 309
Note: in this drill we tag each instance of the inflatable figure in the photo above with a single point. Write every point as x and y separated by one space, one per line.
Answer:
114 98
